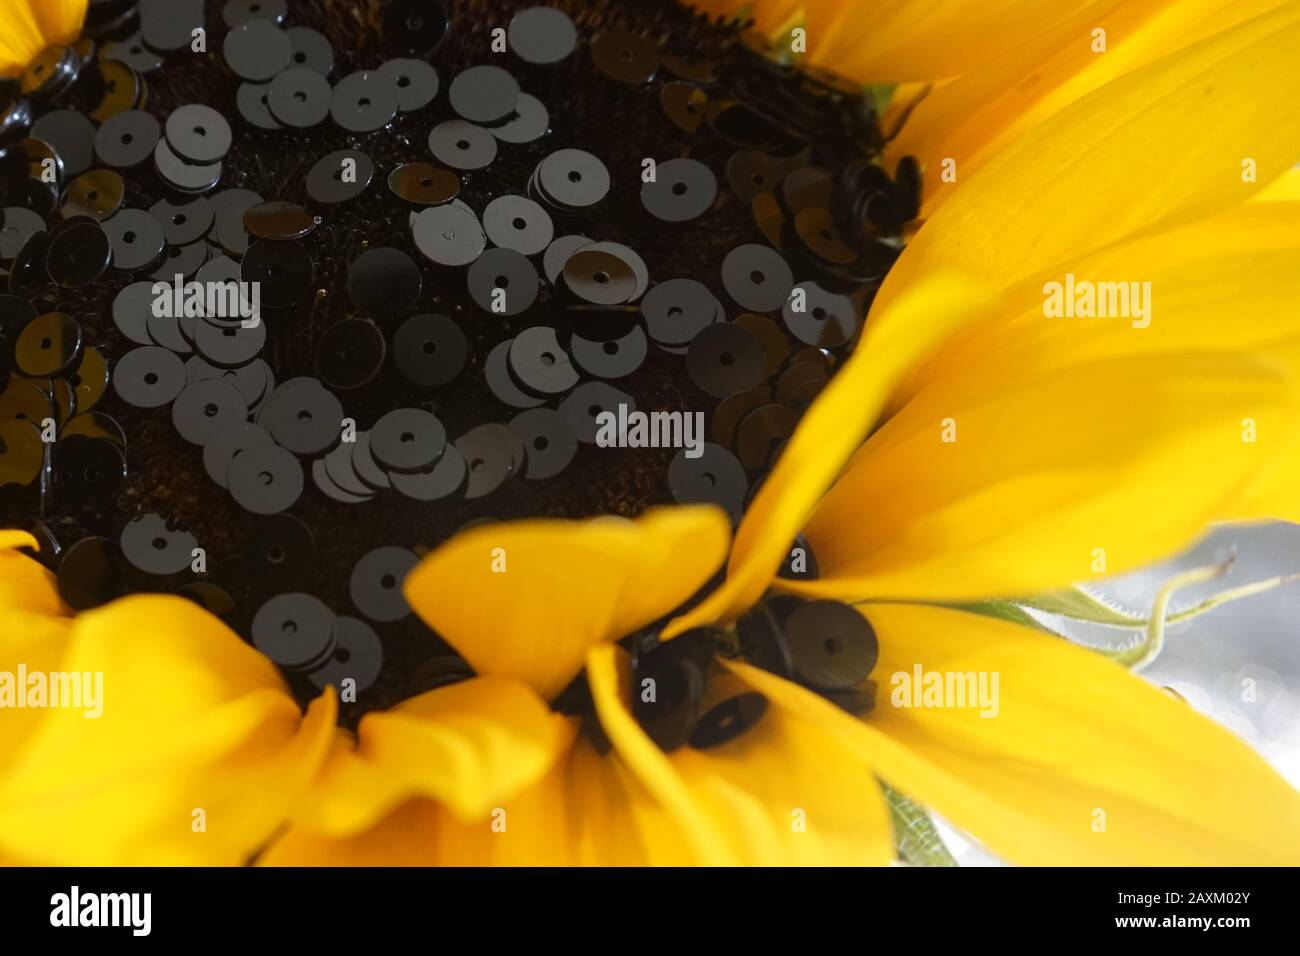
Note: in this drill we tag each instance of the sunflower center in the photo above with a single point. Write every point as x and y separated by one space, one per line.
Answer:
605 267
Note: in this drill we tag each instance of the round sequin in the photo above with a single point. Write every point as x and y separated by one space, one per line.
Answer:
254 103
284 269
364 101
339 176
489 461
229 346
728 720
573 178
184 223
127 138
384 281
256 50
311 50
205 408
483 94
540 364
131 310
303 416
198 134
236 12
414 27
90 574
549 441
265 479
683 189
416 82
503 282
278 220
149 376
583 406
17 225
358 657
295 630
832 646
441 481
714 477
449 235
136 238
817 317
725 358
462 145
299 97
156 548
497 372
542 35
430 350
229 207
227 444
186 177
424 184
376 583
350 353
611 358
625 57
407 439
78 253
678 310
71 135
96 194
514 222
22 453
48 345
530 122
757 278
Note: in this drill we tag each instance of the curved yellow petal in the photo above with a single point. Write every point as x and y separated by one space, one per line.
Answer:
1121 160
788 791
830 431
468 746
970 119
1084 762
896 40
1285 188
1226 282
197 756
28 26
588 810
26 584
1007 481
527 599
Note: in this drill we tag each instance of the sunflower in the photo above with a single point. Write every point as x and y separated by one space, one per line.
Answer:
967 449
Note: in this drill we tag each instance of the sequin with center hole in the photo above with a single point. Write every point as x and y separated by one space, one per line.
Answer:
430 350
549 440
376 583
503 282
358 657
198 134
154 547
407 440
265 479
295 630
137 240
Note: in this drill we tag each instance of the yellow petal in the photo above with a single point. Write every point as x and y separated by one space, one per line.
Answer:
1049 477
1223 283
1286 188
970 119
24 583
196 727
1084 763
788 791
830 431
527 599
28 26
588 811
469 746
895 40
1120 160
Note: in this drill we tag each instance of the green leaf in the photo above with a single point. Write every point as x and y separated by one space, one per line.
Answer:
1006 611
915 835
1078 604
